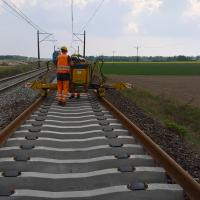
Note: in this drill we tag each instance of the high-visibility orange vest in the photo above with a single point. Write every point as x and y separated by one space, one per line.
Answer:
63 65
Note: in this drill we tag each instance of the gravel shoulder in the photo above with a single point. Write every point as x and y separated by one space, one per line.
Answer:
171 142
14 101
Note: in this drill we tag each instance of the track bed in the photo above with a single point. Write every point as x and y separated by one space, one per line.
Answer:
79 152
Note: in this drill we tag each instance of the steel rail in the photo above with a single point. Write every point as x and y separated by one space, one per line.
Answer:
18 75
12 127
21 81
190 186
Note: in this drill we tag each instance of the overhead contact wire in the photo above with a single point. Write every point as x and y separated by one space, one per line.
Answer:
20 15
94 14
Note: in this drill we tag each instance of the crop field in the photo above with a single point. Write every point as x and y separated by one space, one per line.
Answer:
152 68
174 100
6 71
184 89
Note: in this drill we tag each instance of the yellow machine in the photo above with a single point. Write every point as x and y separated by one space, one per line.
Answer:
84 75
121 86
80 75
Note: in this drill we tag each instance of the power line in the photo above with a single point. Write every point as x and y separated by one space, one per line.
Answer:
27 17
76 35
72 16
94 14
72 24
16 10
24 17
20 15
10 11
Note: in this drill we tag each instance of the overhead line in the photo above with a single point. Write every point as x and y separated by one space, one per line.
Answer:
29 22
72 23
86 24
94 14
26 17
10 11
72 16
14 8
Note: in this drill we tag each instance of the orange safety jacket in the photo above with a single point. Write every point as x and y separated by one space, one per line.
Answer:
63 65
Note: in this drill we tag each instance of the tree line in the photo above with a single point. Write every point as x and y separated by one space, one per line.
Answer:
116 58
146 58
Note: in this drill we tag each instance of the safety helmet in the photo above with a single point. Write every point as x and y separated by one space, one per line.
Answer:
63 48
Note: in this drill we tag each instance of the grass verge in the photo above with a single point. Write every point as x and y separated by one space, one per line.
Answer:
184 119
152 68
6 71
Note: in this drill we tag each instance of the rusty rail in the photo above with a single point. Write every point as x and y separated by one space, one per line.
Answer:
11 128
190 186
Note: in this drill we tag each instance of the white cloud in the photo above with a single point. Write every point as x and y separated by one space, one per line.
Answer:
20 3
132 28
139 7
193 9
82 3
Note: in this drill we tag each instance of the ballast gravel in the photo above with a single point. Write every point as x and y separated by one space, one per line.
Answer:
14 102
17 99
171 142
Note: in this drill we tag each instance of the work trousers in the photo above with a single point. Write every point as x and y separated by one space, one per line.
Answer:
63 90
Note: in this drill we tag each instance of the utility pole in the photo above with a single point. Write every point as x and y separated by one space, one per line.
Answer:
77 35
78 51
137 53
113 56
102 56
38 45
45 39
84 43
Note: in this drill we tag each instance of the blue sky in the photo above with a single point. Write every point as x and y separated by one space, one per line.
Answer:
159 27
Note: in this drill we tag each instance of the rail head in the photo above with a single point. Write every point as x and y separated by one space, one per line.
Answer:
190 186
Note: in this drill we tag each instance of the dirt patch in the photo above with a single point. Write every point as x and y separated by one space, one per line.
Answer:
185 89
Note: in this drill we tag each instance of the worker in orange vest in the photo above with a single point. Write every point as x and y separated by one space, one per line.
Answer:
63 75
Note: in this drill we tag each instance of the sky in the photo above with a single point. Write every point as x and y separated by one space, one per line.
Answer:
158 27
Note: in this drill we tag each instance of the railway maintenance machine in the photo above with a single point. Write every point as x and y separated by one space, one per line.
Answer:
84 75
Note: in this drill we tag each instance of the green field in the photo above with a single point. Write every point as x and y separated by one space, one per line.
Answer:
152 68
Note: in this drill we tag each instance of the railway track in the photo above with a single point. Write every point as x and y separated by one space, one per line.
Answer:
81 151
12 81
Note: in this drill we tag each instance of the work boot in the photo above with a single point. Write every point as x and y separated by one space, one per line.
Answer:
63 103
78 96
72 96
60 103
